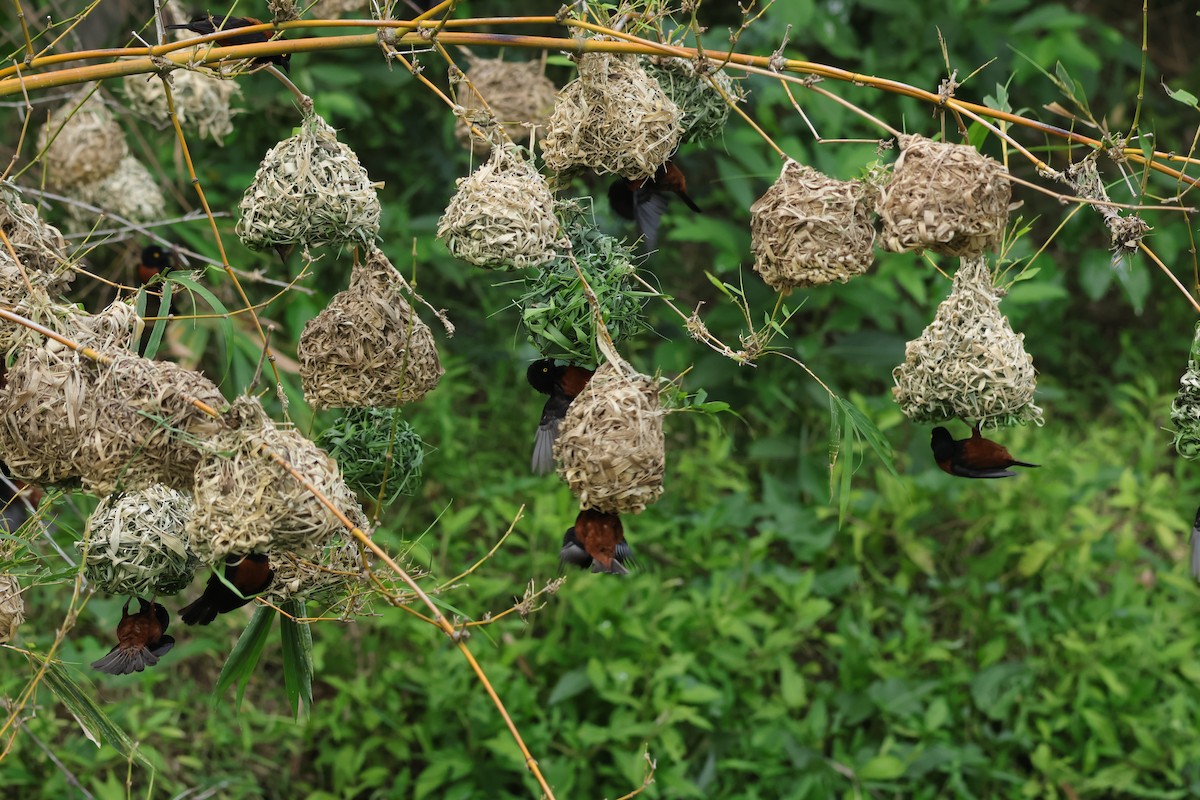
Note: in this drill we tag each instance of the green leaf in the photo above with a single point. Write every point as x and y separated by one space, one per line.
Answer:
187 282
297 657
1182 96
882 768
160 324
1034 558
241 662
96 725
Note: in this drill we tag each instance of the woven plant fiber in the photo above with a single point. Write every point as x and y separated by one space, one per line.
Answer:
703 109
40 248
810 229
87 145
12 608
1185 408
129 192
136 544
203 103
335 576
520 96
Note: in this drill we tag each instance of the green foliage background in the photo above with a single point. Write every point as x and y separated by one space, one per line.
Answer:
1026 638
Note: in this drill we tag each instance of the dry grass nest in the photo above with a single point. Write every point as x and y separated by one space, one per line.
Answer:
129 192
135 543
810 229
520 96
40 248
502 216
610 445
12 607
334 577
87 145
309 190
368 347
703 109
612 118
948 198
246 502
1185 408
968 363
203 103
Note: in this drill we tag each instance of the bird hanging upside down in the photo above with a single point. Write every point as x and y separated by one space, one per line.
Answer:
597 540
205 24
976 457
141 640
563 384
251 574
644 200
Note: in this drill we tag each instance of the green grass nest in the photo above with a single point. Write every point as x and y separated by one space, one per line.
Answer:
380 454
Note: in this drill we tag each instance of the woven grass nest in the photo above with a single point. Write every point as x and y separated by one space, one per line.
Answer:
245 502
129 191
309 190
41 249
30 300
612 118
703 109
335 574
948 198
610 445
203 103
810 229
502 216
88 144
135 543
379 452
368 347
12 608
968 363
520 96
1185 408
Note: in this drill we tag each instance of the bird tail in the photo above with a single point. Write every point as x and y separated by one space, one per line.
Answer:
124 660
542 462
201 611
1024 464
614 567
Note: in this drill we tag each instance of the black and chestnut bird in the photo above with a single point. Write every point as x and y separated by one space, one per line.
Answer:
251 575
141 640
155 259
205 24
597 540
976 457
563 384
644 200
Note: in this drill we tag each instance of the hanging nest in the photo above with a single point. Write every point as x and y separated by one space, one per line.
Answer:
555 309
88 144
1185 409
968 363
948 198
368 347
335 576
612 118
520 96
135 543
502 216
810 229
703 109
29 299
203 103
40 247
610 445
309 190
245 502
335 9
379 453
12 608
130 192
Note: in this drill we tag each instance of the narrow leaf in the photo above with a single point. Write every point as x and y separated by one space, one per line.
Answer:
160 324
96 725
297 657
241 662
215 303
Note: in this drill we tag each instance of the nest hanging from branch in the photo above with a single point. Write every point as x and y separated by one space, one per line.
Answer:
1185 408
612 118
335 574
968 363
129 191
135 543
520 96
368 347
810 229
246 502
379 453
948 198
88 144
703 109
502 216
12 608
203 103
42 250
309 190
610 445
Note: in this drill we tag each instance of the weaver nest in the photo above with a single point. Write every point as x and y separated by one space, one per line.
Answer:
40 248
1185 408
12 607
135 543
129 192
82 142
702 106
520 96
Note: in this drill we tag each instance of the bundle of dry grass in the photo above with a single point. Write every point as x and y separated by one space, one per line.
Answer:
610 445
502 216
368 347
612 118
335 576
129 191
12 608
135 543
1185 408
810 229
520 96
703 108
40 248
82 142
246 502
948 198
309 190
203 103
968 363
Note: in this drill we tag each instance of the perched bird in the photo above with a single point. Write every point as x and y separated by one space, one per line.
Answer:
251 575
155 259
645 200
563 384
976 457
1196 546
141 640
205 24
597 540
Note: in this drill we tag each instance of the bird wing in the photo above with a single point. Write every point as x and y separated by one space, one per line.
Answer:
542 462
648 208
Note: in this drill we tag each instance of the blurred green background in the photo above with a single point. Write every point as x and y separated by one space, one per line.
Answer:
1032 637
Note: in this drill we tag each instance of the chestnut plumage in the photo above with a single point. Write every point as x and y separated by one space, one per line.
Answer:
251 574
975 457
141 640
644 200
597 540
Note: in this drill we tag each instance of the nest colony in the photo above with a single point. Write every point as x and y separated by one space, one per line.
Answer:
948 198
810 229
610 445
700 97
135 543
368 347
1185 409
612 118
519 95
968 363
309 190
12 608
502 216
